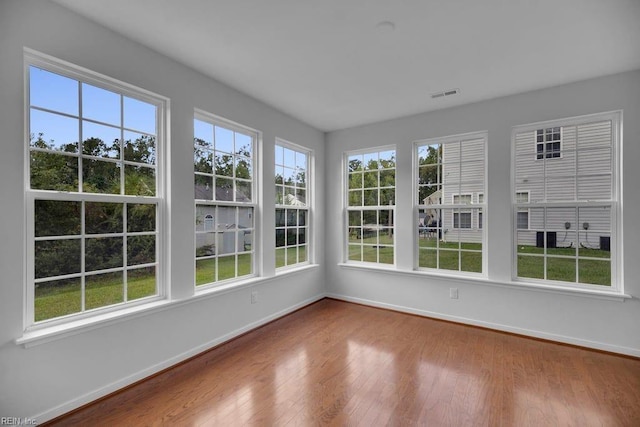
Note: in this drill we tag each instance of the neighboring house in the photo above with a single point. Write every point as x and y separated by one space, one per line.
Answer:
549 152
219 227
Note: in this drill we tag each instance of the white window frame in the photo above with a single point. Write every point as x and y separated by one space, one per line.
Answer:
362 208
419 205
308 207
616 246
256 136
83 75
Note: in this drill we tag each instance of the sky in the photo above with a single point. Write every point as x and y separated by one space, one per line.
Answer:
67 97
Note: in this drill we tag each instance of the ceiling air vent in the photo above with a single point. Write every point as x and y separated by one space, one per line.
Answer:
445 93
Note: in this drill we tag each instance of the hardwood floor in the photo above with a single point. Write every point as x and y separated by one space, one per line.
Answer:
338 363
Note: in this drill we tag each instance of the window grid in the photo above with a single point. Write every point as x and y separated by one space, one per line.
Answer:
94 192
371 206
292 205
572 205
448 172
224 168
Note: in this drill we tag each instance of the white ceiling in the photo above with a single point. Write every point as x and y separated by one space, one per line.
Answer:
329 63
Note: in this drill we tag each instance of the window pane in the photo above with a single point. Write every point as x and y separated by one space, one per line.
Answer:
53 172
280 258
205 271
223 164
243 144
243 168
57 218
141 250
141 282
224 189
103 218
243 191
139 115
355 253
57 257
104 289
102 253
245 264
140 181
355 163
471 261
53 132
226 267
57 298
595 272
223 139
355 198
141 217
53 91
100 141
141 148
531 266
203 133
449 259
355 180
101 105
427 258
203 187
562 269
100 177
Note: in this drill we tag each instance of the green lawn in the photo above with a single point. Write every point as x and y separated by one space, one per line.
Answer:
63 297
373 249
294 255
206 268
454 256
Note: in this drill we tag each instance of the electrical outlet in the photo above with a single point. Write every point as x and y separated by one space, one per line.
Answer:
254 297
453 293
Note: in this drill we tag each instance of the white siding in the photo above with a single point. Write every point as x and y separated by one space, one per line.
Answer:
463 173
583 172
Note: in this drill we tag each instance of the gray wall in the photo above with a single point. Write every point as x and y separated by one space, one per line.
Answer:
601 323
51 378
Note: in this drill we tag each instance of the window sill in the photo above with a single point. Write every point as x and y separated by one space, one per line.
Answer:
476 279
46 334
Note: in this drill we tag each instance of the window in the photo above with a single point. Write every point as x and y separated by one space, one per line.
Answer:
522 216
94 192
448 172
462 219
371 198
566 205
292 204
224 167
548 143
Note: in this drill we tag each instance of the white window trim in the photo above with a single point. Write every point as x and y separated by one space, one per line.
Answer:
49 63
255 195
346 208
617 235
417 206
309 204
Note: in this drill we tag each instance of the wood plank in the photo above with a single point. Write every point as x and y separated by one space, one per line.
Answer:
339 363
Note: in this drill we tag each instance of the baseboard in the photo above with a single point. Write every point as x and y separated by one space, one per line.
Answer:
141 375
496 326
